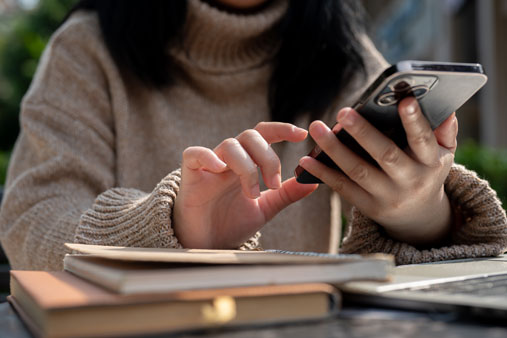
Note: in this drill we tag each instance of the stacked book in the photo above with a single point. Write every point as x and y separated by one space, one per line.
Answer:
113 291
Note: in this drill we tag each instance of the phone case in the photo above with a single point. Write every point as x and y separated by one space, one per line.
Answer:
440 88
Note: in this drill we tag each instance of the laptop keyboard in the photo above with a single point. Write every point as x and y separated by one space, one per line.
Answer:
481 286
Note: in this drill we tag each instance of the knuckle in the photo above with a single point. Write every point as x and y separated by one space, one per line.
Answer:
230 142
447 160
361 130
285 197
437 163
272 162
249 133
187 152
441 162
419 186
260 125
396 204
328 143
191 152
423 137
391 207
250 174
359 173
391 155
337 182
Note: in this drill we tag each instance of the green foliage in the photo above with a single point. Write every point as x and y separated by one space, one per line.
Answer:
23 37
490 164
4 160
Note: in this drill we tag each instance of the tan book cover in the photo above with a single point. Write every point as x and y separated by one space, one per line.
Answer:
59 304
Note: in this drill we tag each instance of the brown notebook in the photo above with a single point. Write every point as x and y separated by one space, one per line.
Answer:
144 270
59 304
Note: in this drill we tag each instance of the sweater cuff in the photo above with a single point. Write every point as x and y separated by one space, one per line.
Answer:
482 230
252 243
129 217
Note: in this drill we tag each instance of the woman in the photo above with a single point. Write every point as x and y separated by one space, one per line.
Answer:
137 131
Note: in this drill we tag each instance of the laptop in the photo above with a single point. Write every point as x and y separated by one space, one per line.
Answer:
476 287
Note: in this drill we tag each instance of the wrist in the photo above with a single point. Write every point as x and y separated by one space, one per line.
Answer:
431 225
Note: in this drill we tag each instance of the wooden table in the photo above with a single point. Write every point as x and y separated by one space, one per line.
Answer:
351 323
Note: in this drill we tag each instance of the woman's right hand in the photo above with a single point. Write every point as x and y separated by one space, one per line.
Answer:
219 204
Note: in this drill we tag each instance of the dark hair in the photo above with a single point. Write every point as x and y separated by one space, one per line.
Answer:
319 48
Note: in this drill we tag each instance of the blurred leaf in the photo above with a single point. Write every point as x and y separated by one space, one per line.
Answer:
490 164
35 44
4 161
28 67
23 37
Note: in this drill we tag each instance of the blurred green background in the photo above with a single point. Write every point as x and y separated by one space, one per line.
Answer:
26 26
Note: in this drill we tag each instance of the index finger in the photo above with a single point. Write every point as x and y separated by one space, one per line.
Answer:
274 132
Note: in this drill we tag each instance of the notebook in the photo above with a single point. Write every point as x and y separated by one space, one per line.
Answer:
140 270
59 304
476 287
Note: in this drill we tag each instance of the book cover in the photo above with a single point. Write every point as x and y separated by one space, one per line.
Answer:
59 304
211 256
131 277
130 270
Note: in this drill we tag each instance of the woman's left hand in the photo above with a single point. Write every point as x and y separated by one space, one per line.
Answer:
406 194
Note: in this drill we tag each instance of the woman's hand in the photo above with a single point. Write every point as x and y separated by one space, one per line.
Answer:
406 196
219 204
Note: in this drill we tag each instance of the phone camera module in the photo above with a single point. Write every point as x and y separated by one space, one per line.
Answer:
401 90
419 91
401 86
387 99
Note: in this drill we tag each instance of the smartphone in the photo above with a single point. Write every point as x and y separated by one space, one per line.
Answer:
439 87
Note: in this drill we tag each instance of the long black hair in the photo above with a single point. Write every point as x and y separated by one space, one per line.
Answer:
318 54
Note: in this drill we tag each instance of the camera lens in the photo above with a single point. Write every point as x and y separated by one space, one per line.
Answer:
387 99
401 86
419 91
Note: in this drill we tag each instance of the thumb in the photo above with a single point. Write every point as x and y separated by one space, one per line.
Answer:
447 132
272 202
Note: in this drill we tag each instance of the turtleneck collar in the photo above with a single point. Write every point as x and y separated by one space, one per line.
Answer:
216 41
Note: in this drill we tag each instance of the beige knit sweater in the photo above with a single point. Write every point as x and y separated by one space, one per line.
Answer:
98 156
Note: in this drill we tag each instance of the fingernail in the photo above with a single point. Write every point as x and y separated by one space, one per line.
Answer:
298 130
276 181
319 129
411 108
303 160
336 128
347 117
255 190
219 165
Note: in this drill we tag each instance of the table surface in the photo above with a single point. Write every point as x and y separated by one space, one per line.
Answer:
351 322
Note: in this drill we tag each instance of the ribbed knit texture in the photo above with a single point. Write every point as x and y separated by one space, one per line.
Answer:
218 42
483 232
98 157
129 217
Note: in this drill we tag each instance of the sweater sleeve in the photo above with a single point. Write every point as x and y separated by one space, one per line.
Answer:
481 232
129 217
